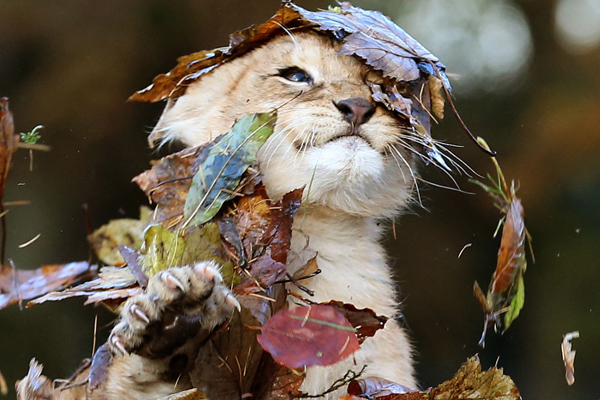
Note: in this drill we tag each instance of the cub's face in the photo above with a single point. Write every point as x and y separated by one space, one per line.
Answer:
350 155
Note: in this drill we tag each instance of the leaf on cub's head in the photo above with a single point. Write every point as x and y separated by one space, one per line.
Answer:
306 336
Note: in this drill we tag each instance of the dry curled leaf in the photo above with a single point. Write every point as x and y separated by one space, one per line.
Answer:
306 336
506 292
468 383
568 356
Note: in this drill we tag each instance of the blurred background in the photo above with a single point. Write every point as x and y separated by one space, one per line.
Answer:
526 78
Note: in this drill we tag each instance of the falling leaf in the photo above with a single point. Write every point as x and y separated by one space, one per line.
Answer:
306 336
30 284
568 356
506 292
221 172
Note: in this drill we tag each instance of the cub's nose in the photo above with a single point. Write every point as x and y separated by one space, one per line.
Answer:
356 110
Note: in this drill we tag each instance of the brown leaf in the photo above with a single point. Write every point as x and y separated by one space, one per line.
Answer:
364 320
8 143
468 383
306 336
26 285
373 37
512 248
568 356
3 386
168 181
193 66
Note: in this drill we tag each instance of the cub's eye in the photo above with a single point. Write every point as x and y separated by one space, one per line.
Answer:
295 74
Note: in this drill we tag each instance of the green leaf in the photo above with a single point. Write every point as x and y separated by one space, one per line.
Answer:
33 136
165 249
222 170
516 303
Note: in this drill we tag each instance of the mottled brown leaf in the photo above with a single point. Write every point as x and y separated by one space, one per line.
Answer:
306 336
131 257
35 386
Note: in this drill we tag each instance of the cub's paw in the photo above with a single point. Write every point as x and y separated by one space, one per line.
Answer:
178 304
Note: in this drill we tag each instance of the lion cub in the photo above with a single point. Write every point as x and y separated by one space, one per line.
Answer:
354 160
347 152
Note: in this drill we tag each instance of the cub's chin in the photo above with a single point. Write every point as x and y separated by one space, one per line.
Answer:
345 174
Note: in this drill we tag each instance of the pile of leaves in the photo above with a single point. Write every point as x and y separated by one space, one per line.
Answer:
210 204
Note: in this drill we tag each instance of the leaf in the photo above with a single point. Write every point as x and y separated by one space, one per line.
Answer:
506 292
126 231
164 249
99 368
131 258
191 394
307 336
468 383
364 321
112 286
35 386
21 285
192 67
8 143
568 356
375 387
373 37
221 172
168 181
517 302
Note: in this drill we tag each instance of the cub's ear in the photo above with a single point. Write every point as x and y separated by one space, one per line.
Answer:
159 134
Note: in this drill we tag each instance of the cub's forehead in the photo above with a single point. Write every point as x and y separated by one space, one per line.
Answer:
314 52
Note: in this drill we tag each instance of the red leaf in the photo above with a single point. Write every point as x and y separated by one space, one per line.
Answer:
306 336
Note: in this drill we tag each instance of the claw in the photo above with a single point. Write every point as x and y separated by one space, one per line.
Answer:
211 273
119 345
232 301
137 311
171 281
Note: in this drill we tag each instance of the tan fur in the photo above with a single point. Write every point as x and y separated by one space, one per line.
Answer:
350 183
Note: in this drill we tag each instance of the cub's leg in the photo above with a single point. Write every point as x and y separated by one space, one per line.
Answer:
156 341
